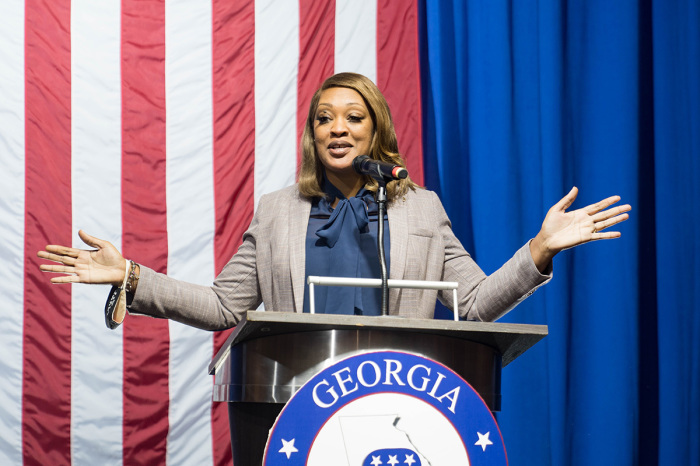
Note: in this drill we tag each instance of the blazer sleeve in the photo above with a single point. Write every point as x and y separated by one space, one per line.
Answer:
214 307
482 297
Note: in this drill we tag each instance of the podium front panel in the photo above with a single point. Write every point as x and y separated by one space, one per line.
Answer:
271 369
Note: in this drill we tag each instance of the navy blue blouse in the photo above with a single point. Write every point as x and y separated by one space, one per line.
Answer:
342 242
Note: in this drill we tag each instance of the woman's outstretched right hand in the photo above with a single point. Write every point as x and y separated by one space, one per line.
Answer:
102 265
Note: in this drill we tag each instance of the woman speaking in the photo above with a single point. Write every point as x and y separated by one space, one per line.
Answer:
327 224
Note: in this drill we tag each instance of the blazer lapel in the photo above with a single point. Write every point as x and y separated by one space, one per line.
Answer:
299 211
398 231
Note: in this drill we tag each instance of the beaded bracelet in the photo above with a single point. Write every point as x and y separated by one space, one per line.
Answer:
133 279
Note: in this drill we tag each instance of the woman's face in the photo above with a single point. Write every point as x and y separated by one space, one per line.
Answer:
343 129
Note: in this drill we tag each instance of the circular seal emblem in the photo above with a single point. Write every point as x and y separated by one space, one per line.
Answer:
385 408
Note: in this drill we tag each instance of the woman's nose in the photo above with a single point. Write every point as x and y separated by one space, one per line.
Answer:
338 128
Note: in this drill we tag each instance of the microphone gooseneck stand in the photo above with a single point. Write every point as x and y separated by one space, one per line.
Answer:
381 209
381 172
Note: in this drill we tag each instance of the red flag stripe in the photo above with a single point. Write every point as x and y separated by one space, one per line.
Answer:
233 62
46 387
398 76
144 223
316 53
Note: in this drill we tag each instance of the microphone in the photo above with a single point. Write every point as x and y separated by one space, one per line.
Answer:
374 168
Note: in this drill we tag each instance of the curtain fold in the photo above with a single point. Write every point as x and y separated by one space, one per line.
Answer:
676 52
522 101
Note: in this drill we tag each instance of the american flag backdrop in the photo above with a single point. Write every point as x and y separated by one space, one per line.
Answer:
155 125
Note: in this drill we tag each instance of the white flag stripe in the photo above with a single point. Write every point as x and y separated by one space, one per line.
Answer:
276 71
190 206
96 351
356 37
11 228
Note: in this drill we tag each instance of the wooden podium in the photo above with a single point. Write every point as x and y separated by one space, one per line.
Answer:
270 355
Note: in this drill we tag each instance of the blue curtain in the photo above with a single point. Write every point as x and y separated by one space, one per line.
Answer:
522 101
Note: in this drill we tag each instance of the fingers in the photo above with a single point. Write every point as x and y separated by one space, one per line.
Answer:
603 219
56 268
58 253
607 218
605 235
72 276
601 205
602 225
65 279
567 200
609 213
67 263
62 250
62 259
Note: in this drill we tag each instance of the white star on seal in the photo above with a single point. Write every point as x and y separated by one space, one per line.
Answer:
376 460
392 460
409 459
484 440
288 447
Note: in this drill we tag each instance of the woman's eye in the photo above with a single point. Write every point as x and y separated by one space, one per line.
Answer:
322 119
355 118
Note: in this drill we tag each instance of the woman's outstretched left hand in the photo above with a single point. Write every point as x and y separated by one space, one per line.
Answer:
563 230
101 265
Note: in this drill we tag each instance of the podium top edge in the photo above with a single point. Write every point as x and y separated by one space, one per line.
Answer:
510 340
391 322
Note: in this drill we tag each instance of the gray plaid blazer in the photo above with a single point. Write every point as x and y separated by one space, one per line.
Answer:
269 268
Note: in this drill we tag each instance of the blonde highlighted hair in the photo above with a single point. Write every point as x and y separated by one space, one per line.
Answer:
384 145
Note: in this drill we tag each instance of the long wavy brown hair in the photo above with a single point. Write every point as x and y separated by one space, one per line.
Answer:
384 145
